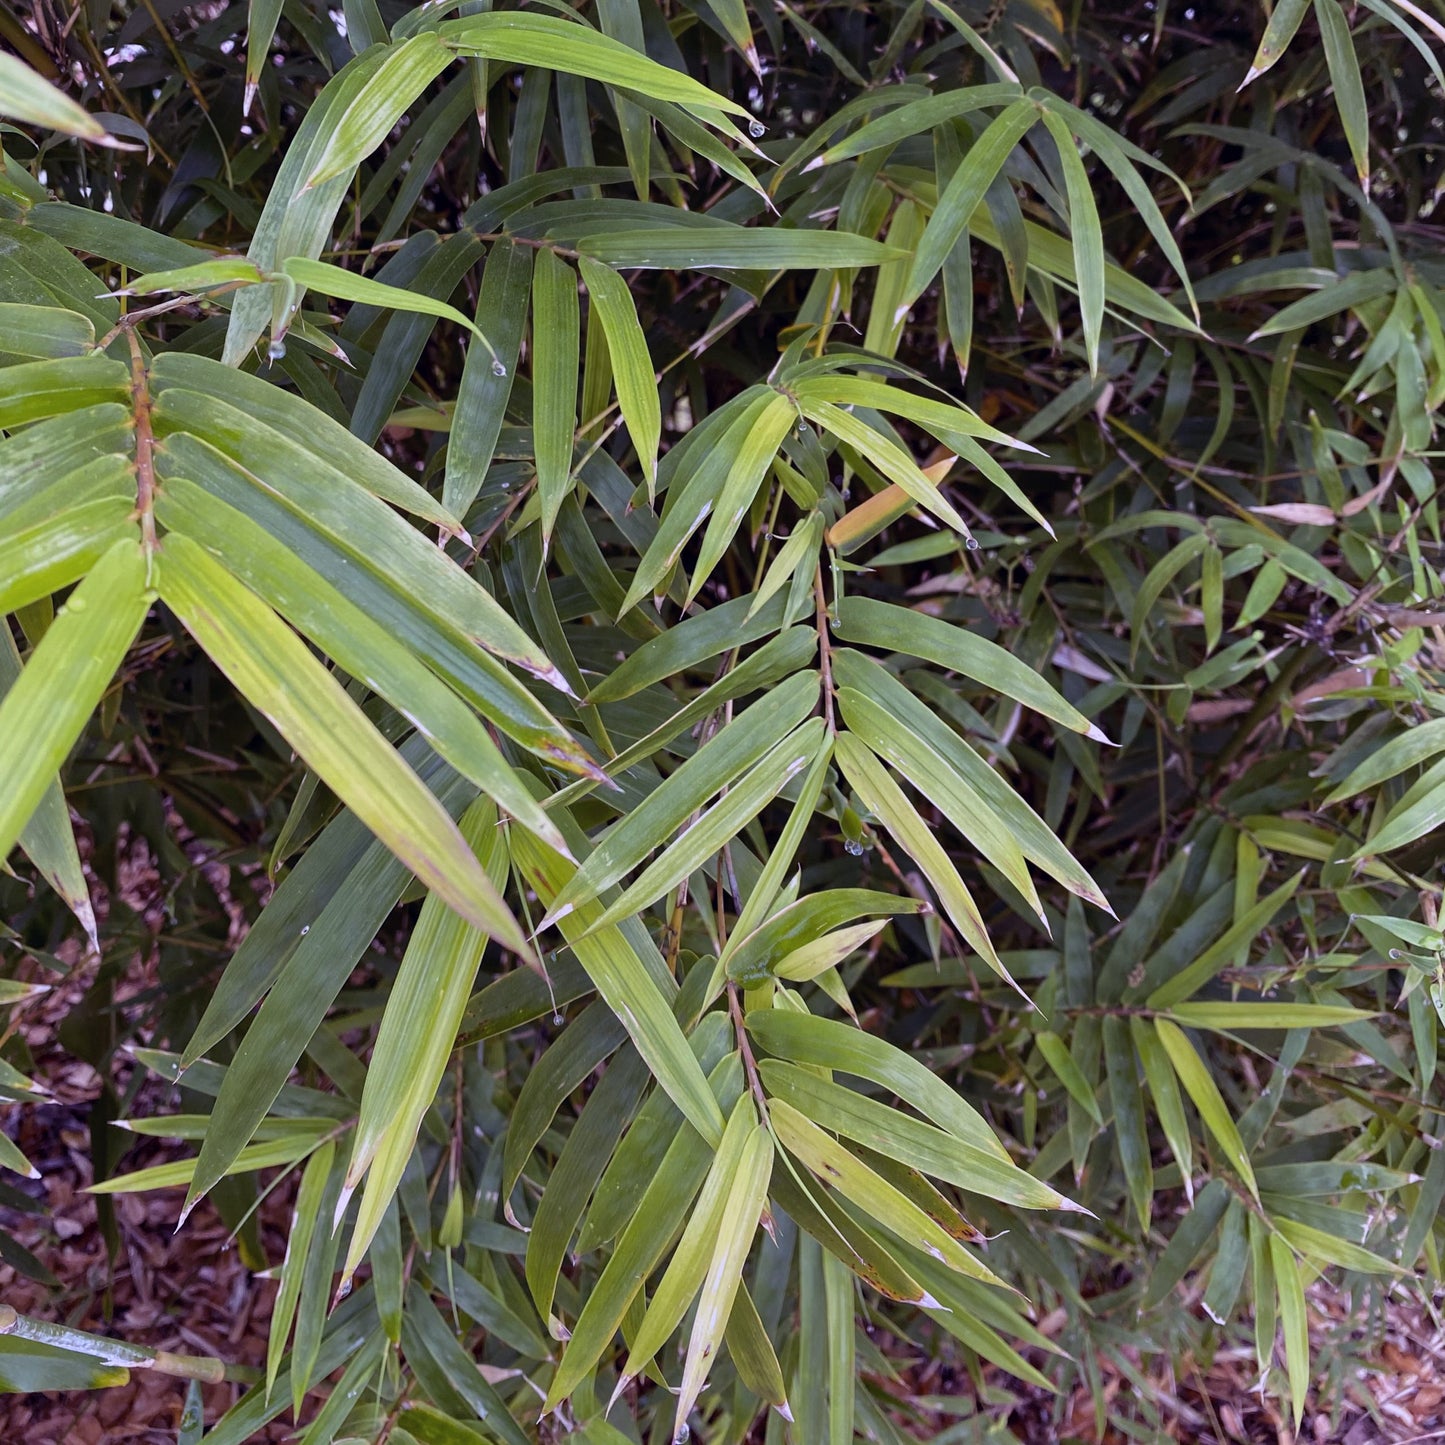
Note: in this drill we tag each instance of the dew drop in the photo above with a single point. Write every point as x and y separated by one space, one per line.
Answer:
343 1289
499 367
276 350
971 543
757 130
1395 953
853 846
558 1020
305 929
684 1434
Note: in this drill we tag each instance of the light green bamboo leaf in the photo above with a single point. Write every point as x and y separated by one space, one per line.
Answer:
389 569
795 554
929 772
44 712
1295 1320
373 112
264 1154
1061 1061
652 1228
920 1146
689 1264
805 1039
899 629
837 1167
1038 843
719 825
45 331
1088 237
1404 751
623 981
555 344
1223 951
886 455
889 804
702 460
960 198
1323 1248
37 560
1344 68
11 1158
330 449
826 952
1200 1086
1420 812
735 249
28 97
745 1200
916 117
304 1220
363 647
1284 21
417 1033
721 761
751 954
48 839
632 370
347 285
271 667
1168 1102
1232 1016
751 1351
37 389
750 464
526 39
1354 290
221 271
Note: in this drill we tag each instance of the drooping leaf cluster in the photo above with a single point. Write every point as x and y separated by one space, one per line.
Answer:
783 667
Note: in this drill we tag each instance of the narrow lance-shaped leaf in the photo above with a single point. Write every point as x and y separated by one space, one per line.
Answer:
888 803
843 1171
632 371
689 1264
28 97
304 1221
961 197
417 1032
526 39
272 667
740 1213
555 348
1088 237
899 629
373 112
1201 1088
44 712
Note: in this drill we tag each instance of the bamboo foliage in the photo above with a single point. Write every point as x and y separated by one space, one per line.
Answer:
858 671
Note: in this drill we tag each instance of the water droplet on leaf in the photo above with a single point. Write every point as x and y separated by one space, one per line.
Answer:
277 349
499 367
971 543
305 929
757 130
853 846
558 1020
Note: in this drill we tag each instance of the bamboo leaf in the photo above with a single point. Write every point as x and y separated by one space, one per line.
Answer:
272 667
631 364
1202 1089
555 323
43 714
